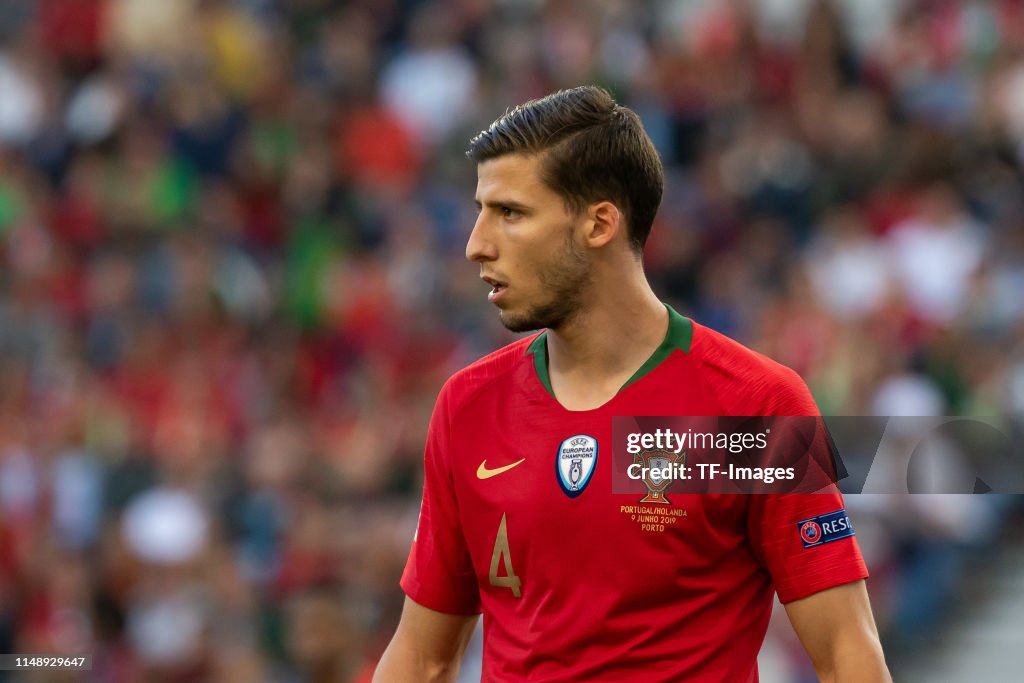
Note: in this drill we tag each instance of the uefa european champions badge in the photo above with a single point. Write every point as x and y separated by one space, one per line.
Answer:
575 463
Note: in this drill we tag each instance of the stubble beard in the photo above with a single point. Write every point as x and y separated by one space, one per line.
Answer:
565 282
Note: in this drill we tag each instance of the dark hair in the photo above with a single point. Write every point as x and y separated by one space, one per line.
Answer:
595 150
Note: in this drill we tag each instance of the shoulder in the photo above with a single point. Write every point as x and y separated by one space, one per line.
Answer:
746 381
462 386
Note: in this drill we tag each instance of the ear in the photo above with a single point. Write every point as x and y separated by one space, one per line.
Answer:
606 221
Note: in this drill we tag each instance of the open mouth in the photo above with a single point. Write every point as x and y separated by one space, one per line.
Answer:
497 288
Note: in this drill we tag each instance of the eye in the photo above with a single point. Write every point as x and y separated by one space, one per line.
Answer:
509 213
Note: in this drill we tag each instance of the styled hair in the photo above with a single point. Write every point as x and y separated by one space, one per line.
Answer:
594 150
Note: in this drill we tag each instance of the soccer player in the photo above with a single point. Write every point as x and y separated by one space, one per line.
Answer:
571 587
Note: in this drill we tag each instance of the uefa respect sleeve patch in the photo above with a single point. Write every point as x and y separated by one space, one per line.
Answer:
826 528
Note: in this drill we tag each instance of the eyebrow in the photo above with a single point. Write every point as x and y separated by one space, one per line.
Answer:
495 203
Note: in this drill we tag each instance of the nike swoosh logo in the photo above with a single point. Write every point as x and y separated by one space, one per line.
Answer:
483 473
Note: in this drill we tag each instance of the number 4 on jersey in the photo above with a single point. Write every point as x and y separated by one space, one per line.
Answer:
503 555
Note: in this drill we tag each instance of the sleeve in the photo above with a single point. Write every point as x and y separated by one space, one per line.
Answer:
806 541
439 572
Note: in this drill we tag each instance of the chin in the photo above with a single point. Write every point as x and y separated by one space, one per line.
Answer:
518 323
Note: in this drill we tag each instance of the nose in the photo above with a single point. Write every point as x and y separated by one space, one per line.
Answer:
480 247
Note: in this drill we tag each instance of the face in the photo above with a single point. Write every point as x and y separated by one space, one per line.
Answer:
525 242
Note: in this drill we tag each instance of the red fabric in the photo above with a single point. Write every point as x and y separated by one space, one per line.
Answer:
602 598
72 28
377 150
77 221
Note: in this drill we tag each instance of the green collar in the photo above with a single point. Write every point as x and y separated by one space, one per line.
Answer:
678 336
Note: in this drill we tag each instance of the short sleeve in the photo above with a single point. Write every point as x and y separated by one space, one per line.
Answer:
439 573
806 541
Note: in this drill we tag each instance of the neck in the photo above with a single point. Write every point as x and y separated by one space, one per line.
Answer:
605 343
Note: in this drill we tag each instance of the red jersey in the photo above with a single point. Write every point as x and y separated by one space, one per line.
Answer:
571 586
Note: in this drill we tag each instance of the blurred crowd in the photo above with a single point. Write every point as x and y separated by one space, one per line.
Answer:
232 281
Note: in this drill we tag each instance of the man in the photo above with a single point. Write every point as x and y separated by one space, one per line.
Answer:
572 588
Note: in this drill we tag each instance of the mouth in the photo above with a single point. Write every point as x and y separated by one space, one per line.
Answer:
497 288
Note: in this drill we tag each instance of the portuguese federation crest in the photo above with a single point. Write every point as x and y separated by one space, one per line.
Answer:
655 464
